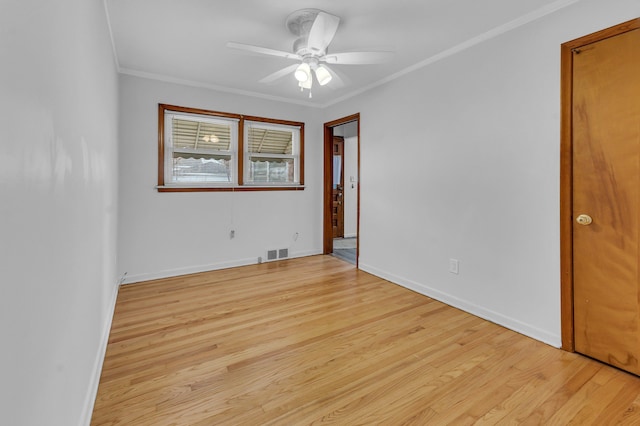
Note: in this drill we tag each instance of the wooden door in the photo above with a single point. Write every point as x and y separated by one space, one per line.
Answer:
337 200
606 191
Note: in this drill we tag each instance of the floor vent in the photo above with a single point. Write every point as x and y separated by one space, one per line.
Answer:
272 255
277 254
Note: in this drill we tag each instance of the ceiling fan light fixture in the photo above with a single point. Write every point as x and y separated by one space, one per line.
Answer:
303 72
305 84
323 75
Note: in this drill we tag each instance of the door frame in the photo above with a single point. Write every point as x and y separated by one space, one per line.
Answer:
328 183
566 172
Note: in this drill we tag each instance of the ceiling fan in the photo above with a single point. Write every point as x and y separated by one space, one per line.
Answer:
314 30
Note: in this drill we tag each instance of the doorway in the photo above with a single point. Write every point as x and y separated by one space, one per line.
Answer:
600 196
342 188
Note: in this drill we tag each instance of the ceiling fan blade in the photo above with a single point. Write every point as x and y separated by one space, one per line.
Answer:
322 31
357 58
279 74
262 50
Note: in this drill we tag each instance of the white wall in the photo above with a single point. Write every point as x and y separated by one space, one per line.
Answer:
350 188
164 234
474 172
58 182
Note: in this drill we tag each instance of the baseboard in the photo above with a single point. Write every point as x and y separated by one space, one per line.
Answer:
495 317
92 392
167 273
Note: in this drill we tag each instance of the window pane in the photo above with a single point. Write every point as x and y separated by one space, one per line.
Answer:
272 153
271 170
269 141
201 169
337 170
202 149
193 134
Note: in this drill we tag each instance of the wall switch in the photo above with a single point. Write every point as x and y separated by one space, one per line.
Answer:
454 265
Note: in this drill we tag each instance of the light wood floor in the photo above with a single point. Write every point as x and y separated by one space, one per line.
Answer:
313 340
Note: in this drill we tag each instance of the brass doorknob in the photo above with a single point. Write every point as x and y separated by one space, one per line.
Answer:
584 219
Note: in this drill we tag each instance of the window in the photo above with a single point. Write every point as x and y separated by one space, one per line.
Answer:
272 153
200 150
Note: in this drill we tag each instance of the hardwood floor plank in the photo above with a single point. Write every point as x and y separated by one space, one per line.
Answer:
604 395
620 409
313 340
631 415
581 398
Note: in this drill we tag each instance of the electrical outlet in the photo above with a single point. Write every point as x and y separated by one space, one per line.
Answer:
454 266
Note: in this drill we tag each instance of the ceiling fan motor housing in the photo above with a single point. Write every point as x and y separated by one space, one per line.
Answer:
301 21
299 24
301 47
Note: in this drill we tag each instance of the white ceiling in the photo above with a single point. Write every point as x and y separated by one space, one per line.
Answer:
185 40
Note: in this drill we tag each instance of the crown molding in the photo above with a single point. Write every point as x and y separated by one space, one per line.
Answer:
495 32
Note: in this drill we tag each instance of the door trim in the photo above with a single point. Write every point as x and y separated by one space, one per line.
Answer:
328 182
566 172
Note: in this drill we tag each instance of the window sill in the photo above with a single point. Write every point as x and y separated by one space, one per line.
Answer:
183 188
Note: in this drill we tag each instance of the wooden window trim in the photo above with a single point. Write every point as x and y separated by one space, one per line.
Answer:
239 186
